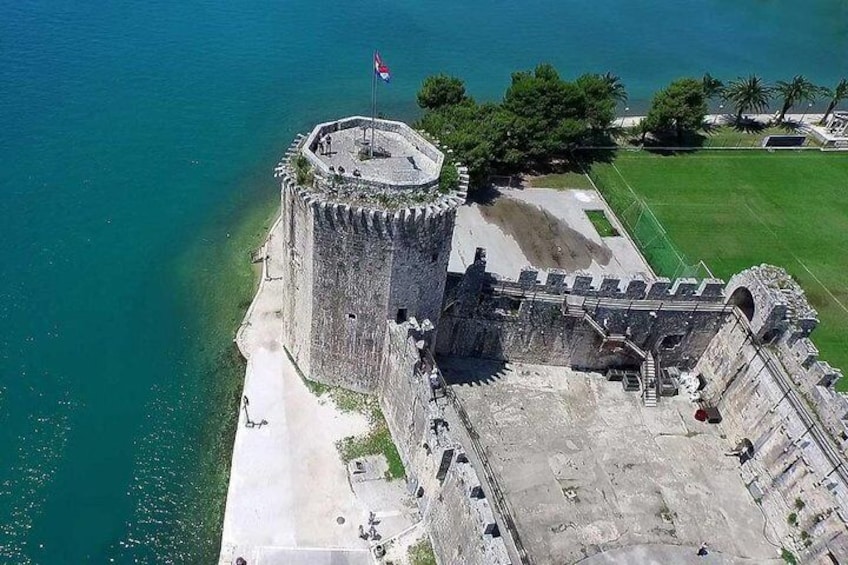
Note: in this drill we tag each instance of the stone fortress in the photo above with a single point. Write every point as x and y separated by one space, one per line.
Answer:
370 306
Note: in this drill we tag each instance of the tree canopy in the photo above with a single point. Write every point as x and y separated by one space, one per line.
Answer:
836 95
541 117
601 98
678 108
748 95
798 90
713 87
549 114
439 91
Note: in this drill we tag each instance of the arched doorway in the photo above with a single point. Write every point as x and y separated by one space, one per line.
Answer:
742 299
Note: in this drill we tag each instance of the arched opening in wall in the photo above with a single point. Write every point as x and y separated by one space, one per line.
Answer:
742 299
401 315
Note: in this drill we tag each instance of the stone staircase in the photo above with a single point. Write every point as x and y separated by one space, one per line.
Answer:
464 179
649 381
619 339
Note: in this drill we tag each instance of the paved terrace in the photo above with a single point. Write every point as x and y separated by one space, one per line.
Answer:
288 486
405 164
544 228
590 474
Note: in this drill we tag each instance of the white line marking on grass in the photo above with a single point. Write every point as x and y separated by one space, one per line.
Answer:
815 278
827 290
627 184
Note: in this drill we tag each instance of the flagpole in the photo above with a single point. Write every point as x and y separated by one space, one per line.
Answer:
373 102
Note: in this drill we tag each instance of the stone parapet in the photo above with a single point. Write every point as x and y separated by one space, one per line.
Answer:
373 219
454 497
581 283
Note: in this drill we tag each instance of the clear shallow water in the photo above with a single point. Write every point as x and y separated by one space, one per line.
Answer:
135 136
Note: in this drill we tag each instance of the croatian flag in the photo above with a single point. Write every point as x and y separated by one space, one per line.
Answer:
380 69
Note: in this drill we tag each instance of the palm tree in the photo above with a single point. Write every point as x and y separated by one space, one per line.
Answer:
713 88
616 87
747 94
799 89
836 96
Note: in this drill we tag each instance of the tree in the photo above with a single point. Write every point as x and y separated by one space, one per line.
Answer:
642 129
680 107
837 95
799 89
600 100
441 90
615 87
747 94
550 113
462 128
713 88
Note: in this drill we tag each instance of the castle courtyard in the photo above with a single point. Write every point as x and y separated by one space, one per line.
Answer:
586 468
546 228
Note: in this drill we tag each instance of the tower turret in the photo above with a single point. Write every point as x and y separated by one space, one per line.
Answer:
367 240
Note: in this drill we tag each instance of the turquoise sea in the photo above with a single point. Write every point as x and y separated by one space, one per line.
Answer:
137 140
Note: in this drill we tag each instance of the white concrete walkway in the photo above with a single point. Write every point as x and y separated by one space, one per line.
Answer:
288 488
727 118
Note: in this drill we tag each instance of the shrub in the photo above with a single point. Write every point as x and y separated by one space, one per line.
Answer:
449 179
422 553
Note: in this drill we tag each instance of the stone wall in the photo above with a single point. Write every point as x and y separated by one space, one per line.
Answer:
351 269
781 317
325 176
762 374
576 320
451 496
297 268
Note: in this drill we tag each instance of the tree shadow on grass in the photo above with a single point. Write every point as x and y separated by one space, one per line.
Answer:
747 125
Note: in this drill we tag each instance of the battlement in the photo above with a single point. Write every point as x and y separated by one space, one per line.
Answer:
356 191
773 302
581 283
780 314
382 222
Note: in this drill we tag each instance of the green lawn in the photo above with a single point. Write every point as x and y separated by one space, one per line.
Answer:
602 224
737 209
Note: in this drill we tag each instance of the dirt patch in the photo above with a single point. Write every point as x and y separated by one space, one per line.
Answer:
545 240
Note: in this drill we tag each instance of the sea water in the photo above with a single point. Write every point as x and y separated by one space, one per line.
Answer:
137 140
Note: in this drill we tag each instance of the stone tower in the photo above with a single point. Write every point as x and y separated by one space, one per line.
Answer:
367 239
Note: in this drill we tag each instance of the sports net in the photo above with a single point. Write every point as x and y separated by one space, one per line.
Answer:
646 230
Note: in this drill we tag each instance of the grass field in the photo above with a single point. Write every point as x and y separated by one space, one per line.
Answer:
737 209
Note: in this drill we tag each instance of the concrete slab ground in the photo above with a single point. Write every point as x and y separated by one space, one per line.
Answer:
400 161
589 471
544 228
288 486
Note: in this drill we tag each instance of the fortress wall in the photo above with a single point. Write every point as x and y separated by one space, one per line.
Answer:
297 271
458 523
790 462
542 332
420 265
577 321
781 317
352 267
636 287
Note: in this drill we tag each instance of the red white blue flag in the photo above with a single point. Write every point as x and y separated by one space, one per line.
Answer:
380 68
